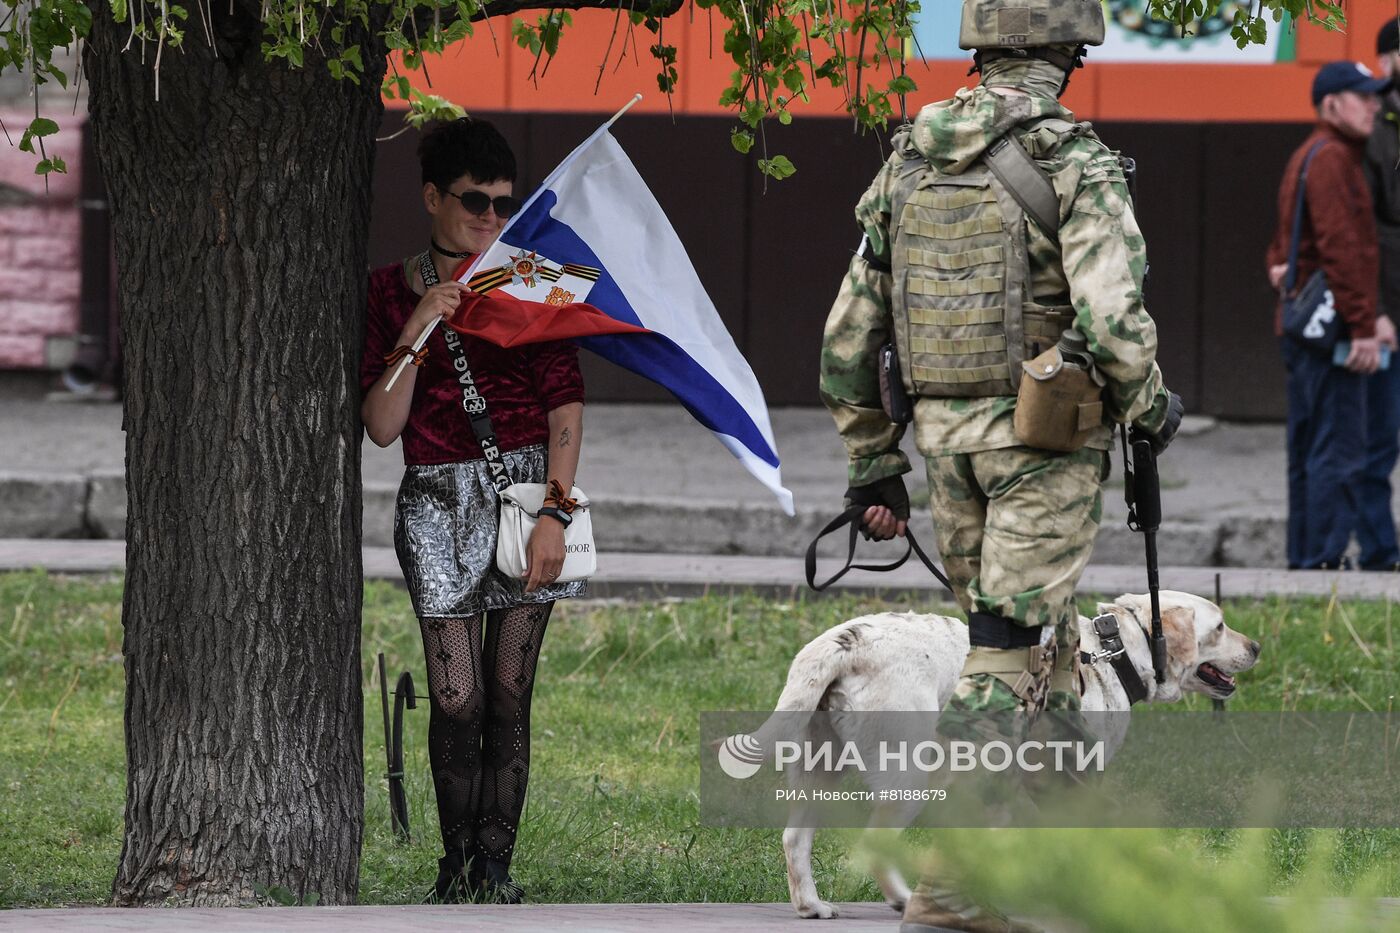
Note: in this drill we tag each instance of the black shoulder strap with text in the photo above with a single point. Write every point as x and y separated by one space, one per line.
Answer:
472 402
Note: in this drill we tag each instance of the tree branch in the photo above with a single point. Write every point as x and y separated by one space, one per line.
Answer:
506 7
424 17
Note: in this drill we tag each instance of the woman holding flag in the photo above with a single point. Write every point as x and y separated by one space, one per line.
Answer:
482 631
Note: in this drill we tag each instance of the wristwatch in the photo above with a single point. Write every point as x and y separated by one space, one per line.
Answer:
564 518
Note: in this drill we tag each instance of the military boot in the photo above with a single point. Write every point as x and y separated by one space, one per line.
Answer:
933 908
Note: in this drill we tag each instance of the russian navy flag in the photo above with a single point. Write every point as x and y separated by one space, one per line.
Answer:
591 256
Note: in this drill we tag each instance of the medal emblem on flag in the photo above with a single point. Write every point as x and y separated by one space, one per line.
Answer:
526 267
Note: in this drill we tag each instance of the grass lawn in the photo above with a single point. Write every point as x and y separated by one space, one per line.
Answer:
613 810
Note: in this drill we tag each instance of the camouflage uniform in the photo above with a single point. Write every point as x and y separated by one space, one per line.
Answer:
1015 525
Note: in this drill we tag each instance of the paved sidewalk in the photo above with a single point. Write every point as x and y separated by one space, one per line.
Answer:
544 918
623 574
662 484
529 918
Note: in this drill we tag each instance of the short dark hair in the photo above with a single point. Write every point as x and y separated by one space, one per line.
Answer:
465 147
1388 39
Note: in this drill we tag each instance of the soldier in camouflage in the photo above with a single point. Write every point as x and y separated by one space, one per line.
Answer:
967 285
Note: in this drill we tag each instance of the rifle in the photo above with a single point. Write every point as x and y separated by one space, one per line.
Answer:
1143 492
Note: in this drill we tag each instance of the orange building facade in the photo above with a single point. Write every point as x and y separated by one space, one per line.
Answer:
489 72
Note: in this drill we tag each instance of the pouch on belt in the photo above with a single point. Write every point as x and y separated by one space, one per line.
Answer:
1058 403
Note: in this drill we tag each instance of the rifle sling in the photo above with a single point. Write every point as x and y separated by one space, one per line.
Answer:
1026 182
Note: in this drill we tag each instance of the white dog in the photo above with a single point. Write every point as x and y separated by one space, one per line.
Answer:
910 662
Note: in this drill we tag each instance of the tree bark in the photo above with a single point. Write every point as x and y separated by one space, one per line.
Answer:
240 208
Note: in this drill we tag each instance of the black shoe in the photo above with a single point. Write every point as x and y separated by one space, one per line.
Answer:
454 885
1381 568
493 881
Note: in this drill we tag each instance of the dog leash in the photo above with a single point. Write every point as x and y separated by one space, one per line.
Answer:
852 517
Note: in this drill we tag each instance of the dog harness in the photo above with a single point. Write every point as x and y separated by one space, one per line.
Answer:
1112 650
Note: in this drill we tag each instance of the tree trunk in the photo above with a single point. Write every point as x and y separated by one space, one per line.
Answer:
240 206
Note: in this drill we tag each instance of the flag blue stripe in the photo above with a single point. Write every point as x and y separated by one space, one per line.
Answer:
658 358
655 355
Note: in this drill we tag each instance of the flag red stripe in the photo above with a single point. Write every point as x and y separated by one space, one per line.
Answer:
508 321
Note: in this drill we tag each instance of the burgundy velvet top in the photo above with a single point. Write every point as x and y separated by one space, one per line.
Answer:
520 385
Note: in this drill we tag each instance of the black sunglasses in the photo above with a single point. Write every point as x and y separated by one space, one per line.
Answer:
477 202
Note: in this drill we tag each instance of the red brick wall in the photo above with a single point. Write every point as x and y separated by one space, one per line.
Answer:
40 277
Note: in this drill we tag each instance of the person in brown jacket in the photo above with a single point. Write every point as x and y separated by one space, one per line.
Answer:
1327 403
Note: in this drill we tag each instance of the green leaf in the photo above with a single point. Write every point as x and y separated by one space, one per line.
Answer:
903 85
778 167
38 128
785 117
742 140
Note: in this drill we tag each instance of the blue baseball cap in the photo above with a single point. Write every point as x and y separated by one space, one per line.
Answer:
1346 76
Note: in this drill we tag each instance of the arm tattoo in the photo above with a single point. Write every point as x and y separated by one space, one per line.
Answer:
564 437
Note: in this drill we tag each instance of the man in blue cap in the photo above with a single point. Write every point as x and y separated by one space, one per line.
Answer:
1327 403
1375 529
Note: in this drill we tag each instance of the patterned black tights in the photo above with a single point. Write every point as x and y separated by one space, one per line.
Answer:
479 729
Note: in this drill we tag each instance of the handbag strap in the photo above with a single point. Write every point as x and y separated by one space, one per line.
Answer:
473 403
1292 278
852 517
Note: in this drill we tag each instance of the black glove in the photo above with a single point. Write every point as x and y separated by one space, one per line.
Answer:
889 492
1164 435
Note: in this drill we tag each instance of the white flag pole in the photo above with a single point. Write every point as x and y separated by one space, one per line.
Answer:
432 325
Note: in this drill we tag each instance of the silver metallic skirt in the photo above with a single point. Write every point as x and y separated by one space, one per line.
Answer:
445 536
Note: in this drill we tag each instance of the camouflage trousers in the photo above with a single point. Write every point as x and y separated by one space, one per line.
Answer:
1015 528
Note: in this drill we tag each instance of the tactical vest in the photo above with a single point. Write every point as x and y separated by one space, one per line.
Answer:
964 317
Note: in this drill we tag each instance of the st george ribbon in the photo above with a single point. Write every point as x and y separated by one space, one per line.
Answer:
591 256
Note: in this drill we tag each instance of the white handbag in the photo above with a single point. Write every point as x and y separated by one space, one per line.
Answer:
520 506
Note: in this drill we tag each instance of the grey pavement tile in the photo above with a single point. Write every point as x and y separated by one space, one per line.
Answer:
528 918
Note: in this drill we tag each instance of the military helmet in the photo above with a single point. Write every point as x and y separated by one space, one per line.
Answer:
1019 24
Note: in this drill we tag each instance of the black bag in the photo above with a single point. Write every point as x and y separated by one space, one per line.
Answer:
1309 315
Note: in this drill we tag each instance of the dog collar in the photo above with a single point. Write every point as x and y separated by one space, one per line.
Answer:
1112 650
